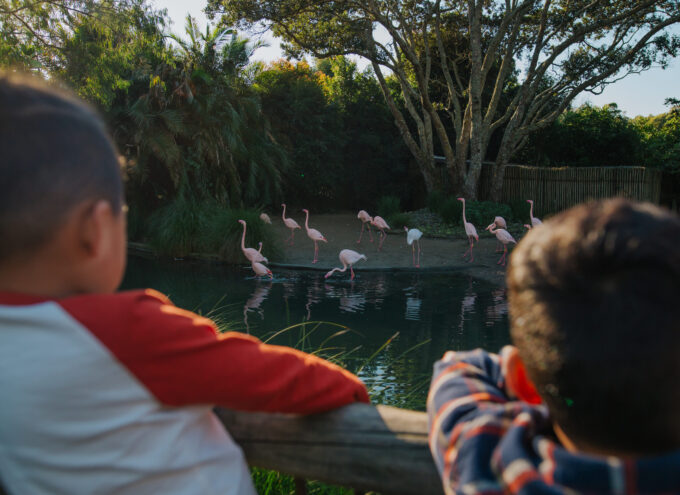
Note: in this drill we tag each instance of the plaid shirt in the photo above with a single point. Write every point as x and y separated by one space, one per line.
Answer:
486 442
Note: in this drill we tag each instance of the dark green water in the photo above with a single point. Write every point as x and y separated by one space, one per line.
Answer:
431 313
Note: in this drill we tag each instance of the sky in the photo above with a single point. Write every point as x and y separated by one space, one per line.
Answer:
637 94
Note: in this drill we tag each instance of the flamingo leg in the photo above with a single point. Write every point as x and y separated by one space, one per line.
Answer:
472 256
418 263
502 260
362 233
316 252
292 236
469 250
369 231
413 254
382 239
351 270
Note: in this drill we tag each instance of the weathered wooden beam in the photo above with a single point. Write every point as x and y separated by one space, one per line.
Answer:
358 446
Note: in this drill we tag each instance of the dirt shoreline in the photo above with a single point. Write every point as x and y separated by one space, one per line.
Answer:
342 232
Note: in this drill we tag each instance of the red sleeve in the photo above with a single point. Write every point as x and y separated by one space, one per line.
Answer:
181 359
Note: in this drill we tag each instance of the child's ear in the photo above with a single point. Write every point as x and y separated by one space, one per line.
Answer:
94 220
516 378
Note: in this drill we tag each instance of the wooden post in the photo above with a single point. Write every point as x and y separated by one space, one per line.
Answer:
359 446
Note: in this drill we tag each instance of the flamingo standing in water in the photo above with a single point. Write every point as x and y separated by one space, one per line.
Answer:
365 219
380 224
251 253
535 222
314 235
347 258
500 223
471 233
265 218
412 237
503 236
290 223
261 270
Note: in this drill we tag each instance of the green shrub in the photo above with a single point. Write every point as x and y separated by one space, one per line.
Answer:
451 211
482 213
435 201
520 210
186 226
136 225
174 229
400 220
388 206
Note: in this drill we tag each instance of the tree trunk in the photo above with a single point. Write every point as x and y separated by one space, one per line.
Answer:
499 174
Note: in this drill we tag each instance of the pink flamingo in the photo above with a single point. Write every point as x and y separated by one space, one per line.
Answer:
503 236
500 223
380 224
347 258
471 233
365 219
535 222
260 270
251 253
290 223
412 237
314 235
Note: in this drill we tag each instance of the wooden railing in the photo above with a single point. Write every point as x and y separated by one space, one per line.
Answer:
381 448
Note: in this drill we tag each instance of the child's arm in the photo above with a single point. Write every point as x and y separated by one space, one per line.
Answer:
179 357
467 389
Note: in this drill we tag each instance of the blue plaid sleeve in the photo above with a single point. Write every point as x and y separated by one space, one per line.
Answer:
467 415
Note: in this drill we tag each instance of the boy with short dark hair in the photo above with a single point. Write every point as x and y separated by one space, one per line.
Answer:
588 401
104 392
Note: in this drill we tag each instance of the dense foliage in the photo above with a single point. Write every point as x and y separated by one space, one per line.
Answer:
457 64
203 130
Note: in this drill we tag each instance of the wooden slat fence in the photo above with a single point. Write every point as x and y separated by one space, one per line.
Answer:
359 446
556 189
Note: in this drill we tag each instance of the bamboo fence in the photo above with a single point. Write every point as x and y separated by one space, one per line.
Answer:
556 189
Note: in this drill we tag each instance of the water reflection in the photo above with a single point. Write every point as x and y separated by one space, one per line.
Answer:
498 307
254 303
432 313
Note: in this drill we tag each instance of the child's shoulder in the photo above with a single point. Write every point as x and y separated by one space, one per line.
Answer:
134 309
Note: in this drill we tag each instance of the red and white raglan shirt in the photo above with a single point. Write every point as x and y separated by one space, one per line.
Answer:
114 394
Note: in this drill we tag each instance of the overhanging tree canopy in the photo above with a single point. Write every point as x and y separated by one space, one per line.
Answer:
546 52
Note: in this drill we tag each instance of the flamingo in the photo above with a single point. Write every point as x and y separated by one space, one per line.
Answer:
535 222
500 223
290 223
471 233
503 236
260 270
265 218
380 224
314 235
347 258
412 237
365 219
251 253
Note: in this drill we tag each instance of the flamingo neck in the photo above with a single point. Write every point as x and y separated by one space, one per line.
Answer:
531 212
464 220
243 238
307 220
283 215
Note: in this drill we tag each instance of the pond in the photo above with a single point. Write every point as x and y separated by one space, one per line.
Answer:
397 323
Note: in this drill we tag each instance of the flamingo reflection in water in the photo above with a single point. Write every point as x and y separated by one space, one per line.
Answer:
253 304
